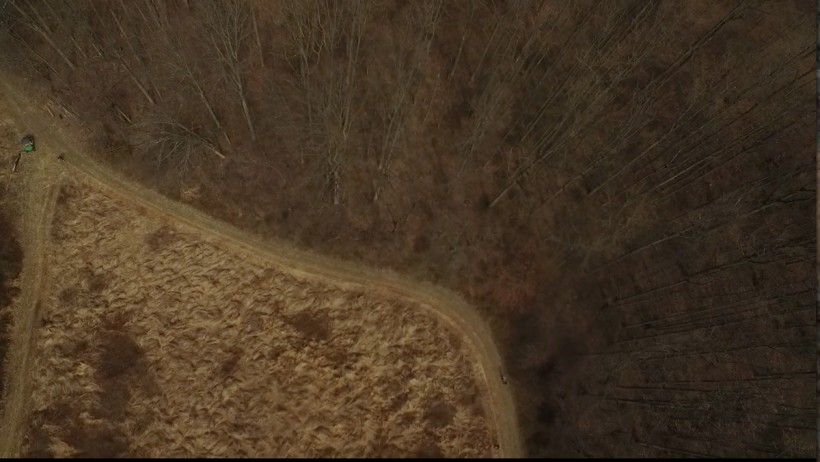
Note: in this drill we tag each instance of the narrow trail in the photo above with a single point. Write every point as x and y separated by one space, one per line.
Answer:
53 139
39 188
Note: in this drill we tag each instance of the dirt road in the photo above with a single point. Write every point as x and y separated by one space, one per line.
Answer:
38 194
43 173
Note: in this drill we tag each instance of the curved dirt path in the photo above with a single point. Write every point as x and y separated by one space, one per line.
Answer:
448 306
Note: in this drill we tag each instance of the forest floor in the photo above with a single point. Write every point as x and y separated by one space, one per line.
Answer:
305 310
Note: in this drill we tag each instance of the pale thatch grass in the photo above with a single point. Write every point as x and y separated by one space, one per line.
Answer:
159 342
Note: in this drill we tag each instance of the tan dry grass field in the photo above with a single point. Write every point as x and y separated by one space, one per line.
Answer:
157 341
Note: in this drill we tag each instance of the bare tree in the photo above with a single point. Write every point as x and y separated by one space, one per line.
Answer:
402 100
510 54
228 23
336 104
35 21
317 30
586 91
123 59
259 50
173 144
313 31
156 16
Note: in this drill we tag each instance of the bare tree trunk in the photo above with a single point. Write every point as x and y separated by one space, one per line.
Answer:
33 52
258 40
425 17
42 29
228 21
163 29
590 97
463 39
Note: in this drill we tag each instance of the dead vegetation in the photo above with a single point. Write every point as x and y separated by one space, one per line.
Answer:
626 189
11 257
196 350
11 251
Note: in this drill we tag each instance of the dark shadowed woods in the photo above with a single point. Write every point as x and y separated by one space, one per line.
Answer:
11 256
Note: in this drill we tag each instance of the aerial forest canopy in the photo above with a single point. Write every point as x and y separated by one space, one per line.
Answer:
625 189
